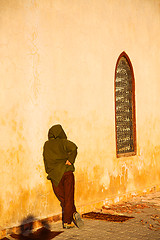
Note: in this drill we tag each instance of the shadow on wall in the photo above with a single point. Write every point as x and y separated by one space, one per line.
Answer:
27 230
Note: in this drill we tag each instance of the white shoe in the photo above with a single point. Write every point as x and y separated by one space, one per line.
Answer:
68 225
77 220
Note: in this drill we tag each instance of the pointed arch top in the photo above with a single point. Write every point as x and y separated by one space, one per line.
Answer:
124 54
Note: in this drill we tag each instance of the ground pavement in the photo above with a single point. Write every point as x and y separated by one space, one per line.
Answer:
145 224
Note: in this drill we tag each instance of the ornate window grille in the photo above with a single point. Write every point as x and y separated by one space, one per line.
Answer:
125 107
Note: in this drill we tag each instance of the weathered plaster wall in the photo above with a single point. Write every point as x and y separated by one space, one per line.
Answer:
57 64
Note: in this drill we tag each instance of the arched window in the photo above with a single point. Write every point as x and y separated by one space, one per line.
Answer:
125 122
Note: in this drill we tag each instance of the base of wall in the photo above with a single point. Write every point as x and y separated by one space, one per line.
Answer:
118 198
92 206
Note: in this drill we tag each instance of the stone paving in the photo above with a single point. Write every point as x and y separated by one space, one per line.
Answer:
145 224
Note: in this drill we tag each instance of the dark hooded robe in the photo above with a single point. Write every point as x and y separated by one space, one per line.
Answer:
57 150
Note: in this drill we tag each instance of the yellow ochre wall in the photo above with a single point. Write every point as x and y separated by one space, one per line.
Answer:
57 65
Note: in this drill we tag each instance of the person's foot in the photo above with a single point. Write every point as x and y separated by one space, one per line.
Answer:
77 220
68 225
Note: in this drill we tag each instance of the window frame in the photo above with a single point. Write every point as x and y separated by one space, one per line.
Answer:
118 155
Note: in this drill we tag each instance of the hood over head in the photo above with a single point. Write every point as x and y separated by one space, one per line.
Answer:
56 131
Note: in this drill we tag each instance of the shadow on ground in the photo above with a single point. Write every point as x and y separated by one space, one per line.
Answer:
27 232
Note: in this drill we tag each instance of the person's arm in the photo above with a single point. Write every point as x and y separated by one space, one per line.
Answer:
71 149
72 156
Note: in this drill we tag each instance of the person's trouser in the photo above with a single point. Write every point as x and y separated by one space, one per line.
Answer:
65 194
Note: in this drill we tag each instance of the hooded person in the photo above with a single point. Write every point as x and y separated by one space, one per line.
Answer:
59 155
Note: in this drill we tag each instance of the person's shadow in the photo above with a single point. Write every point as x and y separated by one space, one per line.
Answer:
27 233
